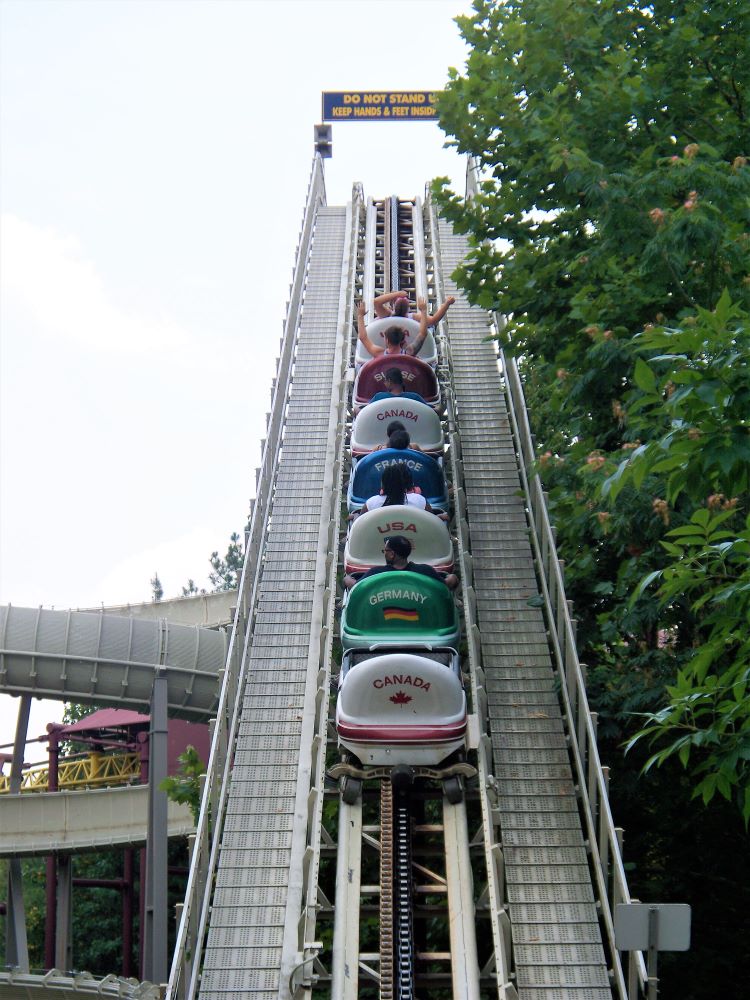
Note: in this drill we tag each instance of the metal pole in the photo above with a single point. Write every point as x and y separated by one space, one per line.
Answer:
19 744
63 943
16 946
464 960
345 966
50 922
50 903
155 952
143 750
142 912
128 875
653 952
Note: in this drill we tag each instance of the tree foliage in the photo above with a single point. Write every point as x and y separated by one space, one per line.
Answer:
185 787
695 395
611 226
225 571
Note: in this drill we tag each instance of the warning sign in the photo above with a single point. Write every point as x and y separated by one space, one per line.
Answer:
384 105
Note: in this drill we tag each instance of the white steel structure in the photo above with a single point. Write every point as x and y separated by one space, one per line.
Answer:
537 815
508 893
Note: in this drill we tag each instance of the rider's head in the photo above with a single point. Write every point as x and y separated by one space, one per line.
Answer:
394 379
398 545
399 439
394 336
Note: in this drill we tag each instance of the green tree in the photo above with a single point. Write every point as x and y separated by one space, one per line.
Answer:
610 226
613 203
696 391
226 570
99 907
185 787
612 140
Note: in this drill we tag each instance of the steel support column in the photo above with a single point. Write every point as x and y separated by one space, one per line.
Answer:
345 968
16 947
464 961
64 914
128 894
50 909
155 937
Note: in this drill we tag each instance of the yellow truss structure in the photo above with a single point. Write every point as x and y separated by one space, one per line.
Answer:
93 770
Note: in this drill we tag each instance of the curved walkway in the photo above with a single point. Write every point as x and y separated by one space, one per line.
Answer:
43 822
56 986
85 656
208 610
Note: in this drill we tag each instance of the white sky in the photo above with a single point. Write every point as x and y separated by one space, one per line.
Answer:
154 161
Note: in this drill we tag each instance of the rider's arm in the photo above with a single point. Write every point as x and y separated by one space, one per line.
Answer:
381 301
440 311
416 346
362 333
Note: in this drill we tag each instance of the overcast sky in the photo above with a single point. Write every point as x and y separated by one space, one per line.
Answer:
154 161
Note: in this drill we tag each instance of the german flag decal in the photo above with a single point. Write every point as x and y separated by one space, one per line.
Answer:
400 614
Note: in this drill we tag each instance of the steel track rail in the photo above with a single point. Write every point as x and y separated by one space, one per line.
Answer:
397 943
388 979
604 838
345 961
402 890
491 900
301 944
397 952
392 243
183 980
369 276
265 952
345 957
549 885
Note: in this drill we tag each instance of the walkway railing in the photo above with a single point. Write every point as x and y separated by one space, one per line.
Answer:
91 770
204 856
605 839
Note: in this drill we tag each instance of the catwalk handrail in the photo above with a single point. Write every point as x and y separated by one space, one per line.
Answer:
306 964
605 839
183 980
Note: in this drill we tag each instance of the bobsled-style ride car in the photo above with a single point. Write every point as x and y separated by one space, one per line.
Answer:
420 420
400 700
429 537
426 473
376 332
418 377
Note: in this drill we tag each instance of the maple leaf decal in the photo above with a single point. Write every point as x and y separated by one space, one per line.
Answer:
401 698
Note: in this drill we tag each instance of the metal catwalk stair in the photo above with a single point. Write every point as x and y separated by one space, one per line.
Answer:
258 870
547 868
557 942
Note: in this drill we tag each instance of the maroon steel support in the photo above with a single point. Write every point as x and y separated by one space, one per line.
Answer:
54 950
100 883
50 906
128 871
